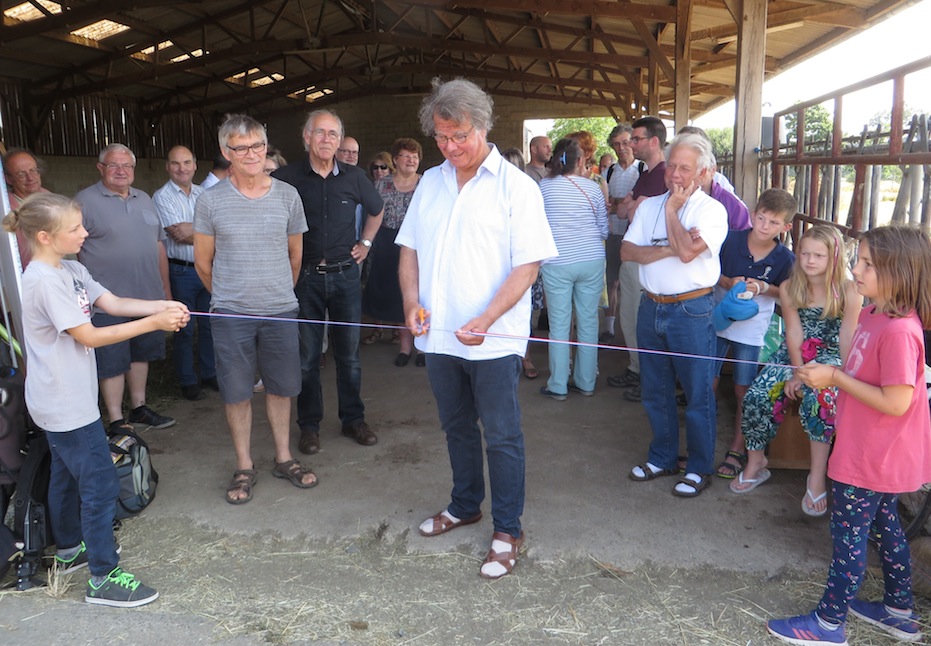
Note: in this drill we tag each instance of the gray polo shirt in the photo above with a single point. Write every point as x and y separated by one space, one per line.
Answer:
122 248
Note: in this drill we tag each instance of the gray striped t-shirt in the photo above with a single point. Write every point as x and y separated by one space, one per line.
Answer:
251 267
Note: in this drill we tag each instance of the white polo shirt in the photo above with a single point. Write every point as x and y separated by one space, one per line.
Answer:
467 243
670 275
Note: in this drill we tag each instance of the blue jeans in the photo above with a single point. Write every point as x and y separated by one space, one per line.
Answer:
187 287
82 494
575 286
340 293
684 327
466 392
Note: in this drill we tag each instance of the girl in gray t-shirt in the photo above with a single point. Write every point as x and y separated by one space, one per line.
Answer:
61 390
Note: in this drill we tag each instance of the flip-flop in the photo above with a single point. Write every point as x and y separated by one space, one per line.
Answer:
811 511
760 478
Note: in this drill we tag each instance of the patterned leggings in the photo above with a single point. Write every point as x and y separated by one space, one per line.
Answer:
854 513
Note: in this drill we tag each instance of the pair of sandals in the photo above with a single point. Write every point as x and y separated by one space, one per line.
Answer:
506 559
244 480
689 485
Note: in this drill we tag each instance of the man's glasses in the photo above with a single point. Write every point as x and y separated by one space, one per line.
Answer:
346 151
637 140
379 166
320 133
458 138
24 174
122 167
659 242
242 151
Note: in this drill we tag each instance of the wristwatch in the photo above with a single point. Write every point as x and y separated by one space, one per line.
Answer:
366 243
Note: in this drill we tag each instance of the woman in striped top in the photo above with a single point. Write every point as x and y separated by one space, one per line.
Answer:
575 208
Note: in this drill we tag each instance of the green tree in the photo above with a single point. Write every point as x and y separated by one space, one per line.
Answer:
600 127
722 141
819 125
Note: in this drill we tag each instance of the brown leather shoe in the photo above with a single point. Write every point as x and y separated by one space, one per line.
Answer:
361 433
309 442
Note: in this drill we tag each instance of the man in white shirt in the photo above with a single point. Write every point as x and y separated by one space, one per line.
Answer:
475 215
676 237
220 171
175 203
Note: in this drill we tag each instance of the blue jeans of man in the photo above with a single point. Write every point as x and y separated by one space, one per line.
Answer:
576 286
467 392
187 287
685 327
340 292
82 494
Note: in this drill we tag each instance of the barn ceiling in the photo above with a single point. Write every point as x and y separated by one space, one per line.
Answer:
264 56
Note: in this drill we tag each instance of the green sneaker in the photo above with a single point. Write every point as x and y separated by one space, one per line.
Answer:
77 561
121 590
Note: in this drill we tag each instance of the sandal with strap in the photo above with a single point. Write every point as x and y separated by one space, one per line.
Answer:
507 559
293 471
530 370
649 473
372 338
730 471
243 481
442 523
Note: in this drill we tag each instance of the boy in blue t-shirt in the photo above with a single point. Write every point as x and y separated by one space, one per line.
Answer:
757 257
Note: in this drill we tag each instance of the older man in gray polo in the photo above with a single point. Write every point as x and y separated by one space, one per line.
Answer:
125 252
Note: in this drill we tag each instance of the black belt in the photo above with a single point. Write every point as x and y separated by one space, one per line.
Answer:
330 267
183 263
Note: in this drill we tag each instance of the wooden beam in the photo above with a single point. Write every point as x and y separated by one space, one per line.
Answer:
683 61
597 8
751 49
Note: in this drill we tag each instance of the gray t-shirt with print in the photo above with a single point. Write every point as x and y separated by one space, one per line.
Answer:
61 385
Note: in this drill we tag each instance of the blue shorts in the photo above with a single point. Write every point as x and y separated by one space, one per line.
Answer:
744 373
114 360
244 345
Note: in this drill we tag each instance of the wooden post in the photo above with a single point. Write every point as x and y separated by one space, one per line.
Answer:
683 61
751 51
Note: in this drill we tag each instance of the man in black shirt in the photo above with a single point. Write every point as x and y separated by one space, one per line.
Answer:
329 280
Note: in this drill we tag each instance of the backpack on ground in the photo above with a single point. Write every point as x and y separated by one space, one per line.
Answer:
138 478
31 523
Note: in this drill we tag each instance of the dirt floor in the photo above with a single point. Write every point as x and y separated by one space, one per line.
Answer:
608 561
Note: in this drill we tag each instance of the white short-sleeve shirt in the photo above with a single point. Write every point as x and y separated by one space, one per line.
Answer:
467 243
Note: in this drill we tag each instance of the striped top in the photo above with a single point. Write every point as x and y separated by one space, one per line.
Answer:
575 209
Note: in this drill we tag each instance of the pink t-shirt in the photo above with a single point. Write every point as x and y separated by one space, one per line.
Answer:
872 450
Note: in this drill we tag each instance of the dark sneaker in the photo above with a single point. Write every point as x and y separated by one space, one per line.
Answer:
805 631
628 380
121 590
584 393
546 392
119 427
904 629
632 394
192 393
361 433
77 561
148 418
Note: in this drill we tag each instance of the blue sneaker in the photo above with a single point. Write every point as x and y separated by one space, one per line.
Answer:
805 631
875 613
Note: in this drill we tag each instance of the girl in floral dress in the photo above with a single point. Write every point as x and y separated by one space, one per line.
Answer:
820 307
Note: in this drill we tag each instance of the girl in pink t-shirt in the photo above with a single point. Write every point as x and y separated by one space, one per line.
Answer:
883 439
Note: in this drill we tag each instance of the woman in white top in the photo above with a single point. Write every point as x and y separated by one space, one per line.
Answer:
575 208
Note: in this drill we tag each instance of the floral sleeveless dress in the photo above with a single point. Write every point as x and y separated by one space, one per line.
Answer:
765 403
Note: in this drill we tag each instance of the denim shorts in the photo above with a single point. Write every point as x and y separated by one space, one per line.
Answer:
246 345
114 360
744 373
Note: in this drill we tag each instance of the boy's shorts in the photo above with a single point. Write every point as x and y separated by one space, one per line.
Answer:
114 360
246 345
744 373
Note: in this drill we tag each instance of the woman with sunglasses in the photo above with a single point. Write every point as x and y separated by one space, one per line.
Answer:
381 166
382 297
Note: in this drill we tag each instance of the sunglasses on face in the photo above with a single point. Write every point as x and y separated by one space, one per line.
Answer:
379 167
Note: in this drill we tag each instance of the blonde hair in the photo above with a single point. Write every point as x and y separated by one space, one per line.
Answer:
835 276
39 212
902 259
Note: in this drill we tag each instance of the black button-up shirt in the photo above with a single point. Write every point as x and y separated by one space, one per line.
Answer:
330 207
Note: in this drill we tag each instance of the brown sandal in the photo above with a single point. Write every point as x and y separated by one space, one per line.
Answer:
507 559
442 524
530 370
293 471
243 480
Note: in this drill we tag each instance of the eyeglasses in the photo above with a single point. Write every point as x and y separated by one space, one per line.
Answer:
637 140
242 151
379 166
320 133
408 157
23 174
122 167
618 144
346 151
659 242
457 137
